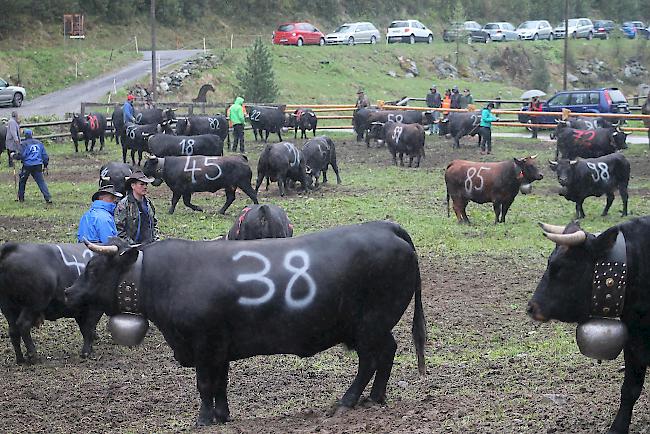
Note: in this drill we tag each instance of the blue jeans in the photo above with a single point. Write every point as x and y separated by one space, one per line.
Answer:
37 174
433 128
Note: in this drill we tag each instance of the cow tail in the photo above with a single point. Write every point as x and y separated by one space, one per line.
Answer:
448 202
418 330
6 250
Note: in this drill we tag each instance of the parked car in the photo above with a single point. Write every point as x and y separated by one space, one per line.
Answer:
603 28
410 31
460 31
494 32
578 28
298 34
603 100
14 95
534 30
632 29
353 33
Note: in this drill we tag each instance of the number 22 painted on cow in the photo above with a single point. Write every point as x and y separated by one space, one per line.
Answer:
260 276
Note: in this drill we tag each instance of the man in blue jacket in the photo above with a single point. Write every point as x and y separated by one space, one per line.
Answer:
128 110
35 159
98 224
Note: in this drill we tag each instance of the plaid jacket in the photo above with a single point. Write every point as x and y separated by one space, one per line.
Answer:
128 220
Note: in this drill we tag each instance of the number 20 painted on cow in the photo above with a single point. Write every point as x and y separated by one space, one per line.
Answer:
260 276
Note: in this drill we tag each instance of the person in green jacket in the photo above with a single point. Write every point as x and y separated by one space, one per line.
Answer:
485 128
237 119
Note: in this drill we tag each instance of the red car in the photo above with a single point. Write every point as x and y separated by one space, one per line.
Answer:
298 34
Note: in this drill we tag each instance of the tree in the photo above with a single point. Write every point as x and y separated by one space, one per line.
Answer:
540 78
256 76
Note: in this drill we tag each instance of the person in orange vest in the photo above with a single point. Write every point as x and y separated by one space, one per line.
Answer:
446 102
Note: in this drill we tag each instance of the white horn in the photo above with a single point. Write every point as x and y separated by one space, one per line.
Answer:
104 250
573 239
532 157
553 229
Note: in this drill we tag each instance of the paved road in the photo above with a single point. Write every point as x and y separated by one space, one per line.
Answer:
69 100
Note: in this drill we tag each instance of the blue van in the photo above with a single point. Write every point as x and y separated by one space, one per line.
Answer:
603 100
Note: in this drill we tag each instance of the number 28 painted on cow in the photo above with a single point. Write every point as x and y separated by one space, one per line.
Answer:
260 276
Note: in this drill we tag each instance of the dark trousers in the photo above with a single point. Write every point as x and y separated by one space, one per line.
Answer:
486 139
11 162
37 173
238 132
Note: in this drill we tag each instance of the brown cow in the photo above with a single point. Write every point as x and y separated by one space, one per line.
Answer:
480 182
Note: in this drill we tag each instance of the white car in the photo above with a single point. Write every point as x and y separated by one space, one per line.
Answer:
353 33
410 31
534 30
14 95
578 28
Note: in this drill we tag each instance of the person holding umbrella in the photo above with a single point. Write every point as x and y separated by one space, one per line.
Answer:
534 106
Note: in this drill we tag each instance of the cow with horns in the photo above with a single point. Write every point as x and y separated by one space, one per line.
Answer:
583 178
235 300
571 291
261 221
498 183
92 127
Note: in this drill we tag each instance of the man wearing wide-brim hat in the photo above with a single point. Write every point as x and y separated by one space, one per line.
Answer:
362 100
98 224
135 215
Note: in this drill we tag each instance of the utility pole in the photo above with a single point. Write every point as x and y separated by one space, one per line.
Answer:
566 41
153 50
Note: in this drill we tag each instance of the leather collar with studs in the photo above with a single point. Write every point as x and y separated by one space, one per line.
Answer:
610 282
128 290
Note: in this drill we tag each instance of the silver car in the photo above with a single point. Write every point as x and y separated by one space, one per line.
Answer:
534 30
14 95
501 31
578 28
353 33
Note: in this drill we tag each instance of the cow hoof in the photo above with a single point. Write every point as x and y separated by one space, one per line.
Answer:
33 359
85 354
222 418
603 214
20 360
197 208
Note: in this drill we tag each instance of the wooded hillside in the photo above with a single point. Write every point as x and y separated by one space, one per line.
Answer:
265 14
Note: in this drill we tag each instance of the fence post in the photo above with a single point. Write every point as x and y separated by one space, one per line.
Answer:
136 44
83 109
190 110
204 46
231 38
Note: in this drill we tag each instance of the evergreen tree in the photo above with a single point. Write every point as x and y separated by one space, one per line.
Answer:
256 76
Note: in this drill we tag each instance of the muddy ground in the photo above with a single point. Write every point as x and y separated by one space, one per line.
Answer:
471 305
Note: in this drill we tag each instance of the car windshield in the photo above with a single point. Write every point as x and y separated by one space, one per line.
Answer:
285 28
396 24
342 29
573 23
491 26
616 96
528 25
3 83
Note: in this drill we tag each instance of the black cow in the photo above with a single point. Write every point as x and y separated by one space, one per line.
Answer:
261 221
581 179
187 175
115 174
32 280
267 119
319 154
573 143
305 119
360 122
582 123
119 128
459 124
282 162
401 139
401 116
565 291
197 125
137 137
165 145
154 116
302 295
92 126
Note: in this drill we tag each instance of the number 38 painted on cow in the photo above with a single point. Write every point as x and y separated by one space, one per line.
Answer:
260 276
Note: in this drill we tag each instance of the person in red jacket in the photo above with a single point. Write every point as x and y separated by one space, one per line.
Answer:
535 106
